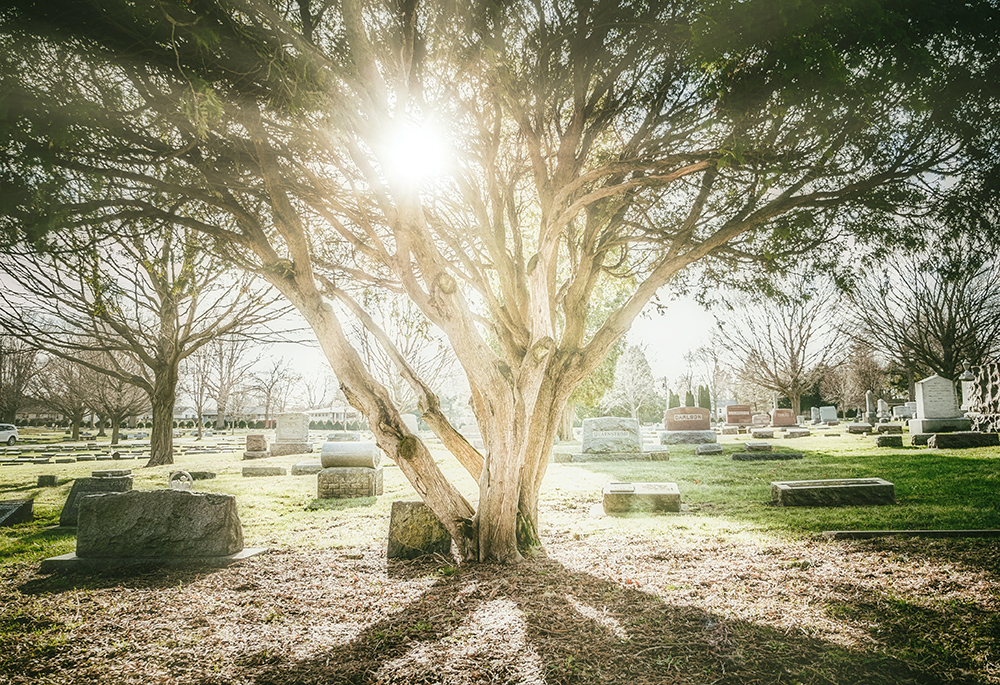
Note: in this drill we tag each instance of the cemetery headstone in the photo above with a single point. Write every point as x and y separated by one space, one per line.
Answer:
256 447
766 456
158 523
762 433
760 420
963 440
832 492
180 480
96 484
15 511
620 498
887 440
937 408
828 415
687 426
782 417
708 448
612 438
814 415
903 411
738 415
343 436
263 471
415 531
882 409
47 481
291 435
350 469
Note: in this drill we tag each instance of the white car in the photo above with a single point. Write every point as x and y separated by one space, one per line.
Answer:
8 433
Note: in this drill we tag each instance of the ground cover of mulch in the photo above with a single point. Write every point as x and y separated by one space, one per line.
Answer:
615 609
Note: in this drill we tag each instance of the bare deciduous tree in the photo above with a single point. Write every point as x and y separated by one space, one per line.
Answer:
782 345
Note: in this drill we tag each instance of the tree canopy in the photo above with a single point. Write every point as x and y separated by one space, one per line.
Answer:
503 165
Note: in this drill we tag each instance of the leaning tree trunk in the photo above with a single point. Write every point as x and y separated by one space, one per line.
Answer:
161 439
116 423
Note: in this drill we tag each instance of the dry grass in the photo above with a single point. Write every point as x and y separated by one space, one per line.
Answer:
727 592
630 610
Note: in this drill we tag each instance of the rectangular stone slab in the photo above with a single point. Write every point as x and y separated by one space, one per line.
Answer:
766 456
158 523
16 511
643 497
963 440
832 493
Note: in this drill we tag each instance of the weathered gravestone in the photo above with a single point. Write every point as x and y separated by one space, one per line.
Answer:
155 527
47 481
814 415
737 415
98 483
687 426
888 440
612 438
782 417
937 408
832 492
344 436
263 471
15 511
963 440
762 433
350 469
708 448
414 531
291 435
828 415
760 420
256 447
622 498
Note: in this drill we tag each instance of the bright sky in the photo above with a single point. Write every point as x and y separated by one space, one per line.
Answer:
683 327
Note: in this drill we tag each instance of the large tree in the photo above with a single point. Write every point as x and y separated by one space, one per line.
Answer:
930 314
18 364
130 304
580 143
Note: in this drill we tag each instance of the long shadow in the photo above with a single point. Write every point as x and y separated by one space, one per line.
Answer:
542 623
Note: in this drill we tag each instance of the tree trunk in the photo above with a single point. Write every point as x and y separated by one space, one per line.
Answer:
795 399
566 425
101 432
115 429
76 420
161 439
201 425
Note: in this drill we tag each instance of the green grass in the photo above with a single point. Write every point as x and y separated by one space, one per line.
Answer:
934 489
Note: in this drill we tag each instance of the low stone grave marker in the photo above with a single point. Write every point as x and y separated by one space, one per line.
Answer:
415 531
859 428
832 492
15 511
155 526
708 448
621 498
766 456
797 433
762 433
758 446
920 439
963 440
263 471
47 481
889 428
307 467
887 440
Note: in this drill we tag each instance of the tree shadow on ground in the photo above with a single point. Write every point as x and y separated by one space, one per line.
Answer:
136 577
543 623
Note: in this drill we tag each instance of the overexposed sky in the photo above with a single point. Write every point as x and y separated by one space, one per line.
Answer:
682 327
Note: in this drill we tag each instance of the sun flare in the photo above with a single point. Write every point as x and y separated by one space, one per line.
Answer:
416 153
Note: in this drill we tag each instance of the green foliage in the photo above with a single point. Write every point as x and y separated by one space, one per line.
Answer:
704 397
674 400
689 399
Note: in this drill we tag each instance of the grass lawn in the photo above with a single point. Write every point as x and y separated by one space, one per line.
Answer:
730 590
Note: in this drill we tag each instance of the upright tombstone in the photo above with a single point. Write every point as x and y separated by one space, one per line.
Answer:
828 415
883 412
414 531
761 420
870 417
814 415
739 415
256 447
937 408
350 469
782 417
291 435
611 438
99 482
903 411
687 426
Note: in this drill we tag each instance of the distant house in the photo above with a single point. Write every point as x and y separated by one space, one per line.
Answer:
338 414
